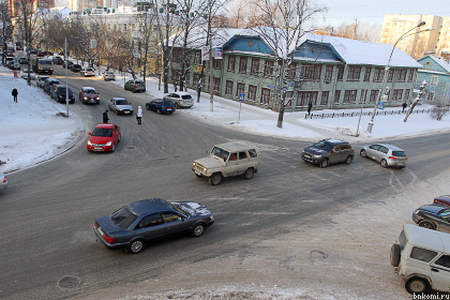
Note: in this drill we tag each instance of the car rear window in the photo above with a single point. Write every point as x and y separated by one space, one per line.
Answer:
123 217
186 97
399 153
423 254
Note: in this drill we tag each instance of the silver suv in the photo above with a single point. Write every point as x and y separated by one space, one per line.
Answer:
227 159
387 155
329 151
180 99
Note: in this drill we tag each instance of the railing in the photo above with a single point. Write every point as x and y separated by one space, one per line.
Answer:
364 113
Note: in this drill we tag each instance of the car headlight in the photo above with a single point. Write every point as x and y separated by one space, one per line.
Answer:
98 98
108 143
89 143
85 98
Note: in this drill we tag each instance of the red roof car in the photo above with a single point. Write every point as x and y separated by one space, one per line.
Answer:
104 138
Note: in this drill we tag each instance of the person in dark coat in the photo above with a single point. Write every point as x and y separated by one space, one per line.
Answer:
105 117
310 105
404 105
14 93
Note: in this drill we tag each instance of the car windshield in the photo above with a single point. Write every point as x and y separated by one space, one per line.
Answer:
178 208
399 153
102 132
323 145
62 89
123 217
45 62
121 102
167 103
90 92
220 153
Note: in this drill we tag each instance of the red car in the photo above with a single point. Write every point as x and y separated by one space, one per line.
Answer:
89 95
104 138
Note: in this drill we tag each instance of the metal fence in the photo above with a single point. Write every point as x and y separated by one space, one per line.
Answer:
364 113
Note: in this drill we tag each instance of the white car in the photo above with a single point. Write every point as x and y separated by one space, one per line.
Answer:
180 99
25 75
108 75
87 72
3 181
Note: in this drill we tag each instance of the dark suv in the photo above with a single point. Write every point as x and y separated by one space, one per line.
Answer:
329 151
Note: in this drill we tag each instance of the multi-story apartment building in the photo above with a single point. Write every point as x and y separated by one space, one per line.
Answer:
436 41
89 6
330 72
13 5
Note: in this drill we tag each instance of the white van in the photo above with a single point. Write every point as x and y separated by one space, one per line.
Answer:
422 259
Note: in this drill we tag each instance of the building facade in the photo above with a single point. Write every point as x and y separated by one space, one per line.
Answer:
435 42
330 72
436 72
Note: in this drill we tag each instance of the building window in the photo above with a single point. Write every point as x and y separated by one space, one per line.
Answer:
254 67
265 96
197 58
268 68
324 98
373 96
217 64
243 65
292 71
340 75
398 95
434 80
349 96
337 96
328 74
407 95
303 98
378 76
354 73
229 87
177 55
310 72
231 63
367 73
251 92
240 89
400 75
411 75
216 84
363 96
196 79
430 96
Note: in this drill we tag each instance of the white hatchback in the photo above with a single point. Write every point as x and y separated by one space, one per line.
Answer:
180 99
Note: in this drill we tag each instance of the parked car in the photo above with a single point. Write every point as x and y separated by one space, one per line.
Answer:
40 80
104 138
443 200
3 181
86 72
75 68
228 159
108 75
135 224
13 65
49 82
135 85
433 216
120 106
160 106
386 154
422 259
329 151
60 92
57 60
180 99
26 73
23 61
89 95
68 64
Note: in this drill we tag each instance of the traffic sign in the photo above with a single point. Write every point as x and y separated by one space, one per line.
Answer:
241 97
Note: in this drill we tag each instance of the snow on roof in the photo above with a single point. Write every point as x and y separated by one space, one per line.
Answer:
353 52
441 62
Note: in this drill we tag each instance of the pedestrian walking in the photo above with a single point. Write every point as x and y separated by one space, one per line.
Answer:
105 117
139 115
310 105
404 105
14 93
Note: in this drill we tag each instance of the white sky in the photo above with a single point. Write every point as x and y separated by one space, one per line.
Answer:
369 11
30 131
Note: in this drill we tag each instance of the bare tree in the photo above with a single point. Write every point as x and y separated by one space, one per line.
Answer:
285 19
368 32
5 20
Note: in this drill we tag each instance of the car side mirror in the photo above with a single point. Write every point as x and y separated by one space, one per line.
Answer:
90 133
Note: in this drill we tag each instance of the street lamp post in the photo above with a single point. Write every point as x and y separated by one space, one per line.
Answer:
386 73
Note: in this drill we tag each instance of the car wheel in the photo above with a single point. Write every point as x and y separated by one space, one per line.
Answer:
120 138
395 255
249 173
324 163
416 285
113 148
215 179
136 246
177 105
349 160
158 111
198 230
363 153
384 163
428 225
